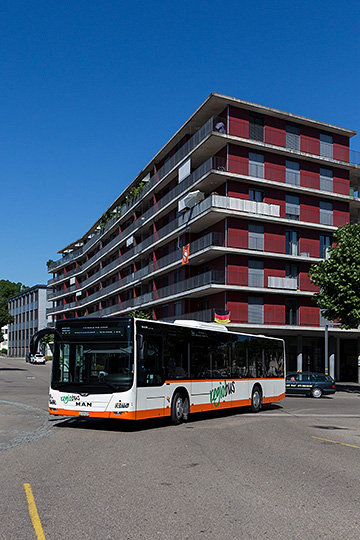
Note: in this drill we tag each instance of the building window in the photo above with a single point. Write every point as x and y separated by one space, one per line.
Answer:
292 137
256 195
292 242
326 145
325 243
255 309
326 213
256 273
292 206
256 164
292 311
256 236
292 272
326 179
177 309
292 172
256 127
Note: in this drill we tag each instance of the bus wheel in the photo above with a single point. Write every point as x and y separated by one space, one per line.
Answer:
256 399
179 409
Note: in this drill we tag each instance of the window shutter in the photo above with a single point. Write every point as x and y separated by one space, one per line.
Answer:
256 236
326 179
292 137
292 172
256 164
256 273
256 309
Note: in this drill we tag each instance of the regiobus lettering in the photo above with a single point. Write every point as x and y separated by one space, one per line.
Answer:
219 393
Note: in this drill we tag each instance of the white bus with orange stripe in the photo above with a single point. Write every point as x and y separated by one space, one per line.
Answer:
128 368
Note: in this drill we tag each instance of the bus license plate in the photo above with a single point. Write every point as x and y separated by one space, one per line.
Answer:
84 413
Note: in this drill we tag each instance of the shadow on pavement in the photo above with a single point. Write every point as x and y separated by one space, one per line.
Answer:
128 426
348 387
12 369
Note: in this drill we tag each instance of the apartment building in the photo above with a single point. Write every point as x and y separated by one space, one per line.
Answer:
29 311
227 217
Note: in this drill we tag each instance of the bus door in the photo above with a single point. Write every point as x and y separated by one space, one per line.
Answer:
150 377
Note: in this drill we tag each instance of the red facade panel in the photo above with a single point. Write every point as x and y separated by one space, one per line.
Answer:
237 236
309 315
238 306
341 148
309 243
309 209
238 190
274 310
275 168
341 214
238 160
274 239
341 183
309 140
275 131
309 175
237 270
238 122
305 283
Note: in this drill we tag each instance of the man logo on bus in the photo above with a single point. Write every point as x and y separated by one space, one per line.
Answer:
217 394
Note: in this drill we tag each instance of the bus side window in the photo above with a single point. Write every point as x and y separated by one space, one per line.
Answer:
150 369
239 359
176 344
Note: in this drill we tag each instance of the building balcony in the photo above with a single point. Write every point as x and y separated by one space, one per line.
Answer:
120 212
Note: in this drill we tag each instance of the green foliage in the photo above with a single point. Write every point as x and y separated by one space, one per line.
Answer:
338 278
48 338
7 290
139 315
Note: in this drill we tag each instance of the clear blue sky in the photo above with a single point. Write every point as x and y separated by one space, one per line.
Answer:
91 90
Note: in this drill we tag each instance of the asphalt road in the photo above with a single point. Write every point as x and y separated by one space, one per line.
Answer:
289 472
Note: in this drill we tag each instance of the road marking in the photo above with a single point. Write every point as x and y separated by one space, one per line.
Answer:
336 442
34 513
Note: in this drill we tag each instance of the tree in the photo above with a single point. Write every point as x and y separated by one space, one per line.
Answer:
47 339
139 314
7 290
338 278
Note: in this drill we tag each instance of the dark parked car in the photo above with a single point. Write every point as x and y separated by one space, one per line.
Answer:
311 384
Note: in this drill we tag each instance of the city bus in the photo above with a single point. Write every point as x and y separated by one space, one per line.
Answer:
134 369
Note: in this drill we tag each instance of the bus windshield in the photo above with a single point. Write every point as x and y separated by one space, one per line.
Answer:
86 362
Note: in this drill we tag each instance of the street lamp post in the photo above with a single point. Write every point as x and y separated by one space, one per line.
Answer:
326 349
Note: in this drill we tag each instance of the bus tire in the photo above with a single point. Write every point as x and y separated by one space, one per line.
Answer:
179 408
256 399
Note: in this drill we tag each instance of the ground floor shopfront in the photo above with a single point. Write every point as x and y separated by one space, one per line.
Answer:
305 350
308 354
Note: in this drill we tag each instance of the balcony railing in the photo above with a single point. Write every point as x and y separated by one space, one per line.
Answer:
196 139
275 282
210 239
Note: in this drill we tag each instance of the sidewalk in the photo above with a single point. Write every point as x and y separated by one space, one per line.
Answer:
352 387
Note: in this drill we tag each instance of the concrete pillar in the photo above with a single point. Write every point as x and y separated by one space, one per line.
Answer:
338 359
332 357
358 358
299 354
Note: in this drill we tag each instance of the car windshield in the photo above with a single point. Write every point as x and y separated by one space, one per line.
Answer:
106 364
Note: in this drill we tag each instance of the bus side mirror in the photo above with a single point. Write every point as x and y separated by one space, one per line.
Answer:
37 337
